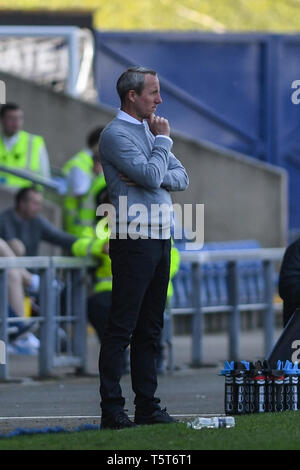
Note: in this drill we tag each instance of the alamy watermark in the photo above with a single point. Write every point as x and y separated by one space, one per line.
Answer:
2 352
295 356
137 220
2 92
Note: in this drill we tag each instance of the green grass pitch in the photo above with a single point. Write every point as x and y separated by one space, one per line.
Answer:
252 432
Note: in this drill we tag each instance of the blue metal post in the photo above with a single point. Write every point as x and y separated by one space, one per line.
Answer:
47 331
197 319
3 322
268 317
234 316
79 311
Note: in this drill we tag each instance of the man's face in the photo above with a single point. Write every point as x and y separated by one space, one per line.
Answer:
31 205
12 122
145 104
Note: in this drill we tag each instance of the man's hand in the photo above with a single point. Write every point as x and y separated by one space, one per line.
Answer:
159 125
126 180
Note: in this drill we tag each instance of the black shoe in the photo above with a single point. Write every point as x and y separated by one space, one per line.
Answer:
159 416
117 421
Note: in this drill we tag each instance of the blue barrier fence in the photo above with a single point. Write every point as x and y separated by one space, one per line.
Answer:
228 280
214 289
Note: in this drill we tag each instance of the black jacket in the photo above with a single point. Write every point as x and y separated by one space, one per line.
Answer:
289 280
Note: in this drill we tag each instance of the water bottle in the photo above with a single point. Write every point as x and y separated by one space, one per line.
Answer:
244 394
213 423
295 384
269 386
278 390
259 388
236 387
229 398
250 408
291 382
240 387
228 372
288 391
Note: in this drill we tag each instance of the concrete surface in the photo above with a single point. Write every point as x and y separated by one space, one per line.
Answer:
69 401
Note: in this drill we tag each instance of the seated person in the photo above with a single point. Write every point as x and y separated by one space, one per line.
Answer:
21 231
24 223
18 278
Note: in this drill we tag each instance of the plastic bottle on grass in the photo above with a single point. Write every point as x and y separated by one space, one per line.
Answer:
214 422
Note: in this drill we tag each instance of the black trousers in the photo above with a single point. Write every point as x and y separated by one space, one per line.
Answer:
98 308
140 271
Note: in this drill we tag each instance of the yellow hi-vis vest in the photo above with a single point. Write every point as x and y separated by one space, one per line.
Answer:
80 211
174 268
94 246
24 155
103 272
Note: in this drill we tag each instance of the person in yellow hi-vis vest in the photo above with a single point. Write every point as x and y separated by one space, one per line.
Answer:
99 303
20 149
85 180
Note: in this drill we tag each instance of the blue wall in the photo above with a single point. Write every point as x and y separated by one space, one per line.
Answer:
230 89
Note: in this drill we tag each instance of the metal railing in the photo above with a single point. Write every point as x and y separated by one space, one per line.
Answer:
70 34
75 270
269 257
75 274
35 178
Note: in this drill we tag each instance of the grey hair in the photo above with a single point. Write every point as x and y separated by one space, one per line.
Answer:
132 79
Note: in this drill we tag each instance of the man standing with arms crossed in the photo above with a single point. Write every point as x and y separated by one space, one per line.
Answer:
136 156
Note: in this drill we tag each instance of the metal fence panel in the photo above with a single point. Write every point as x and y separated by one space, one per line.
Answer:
74 315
